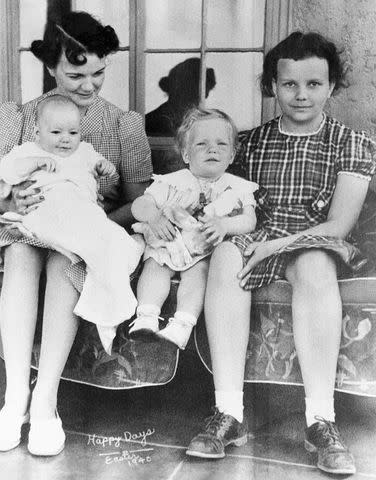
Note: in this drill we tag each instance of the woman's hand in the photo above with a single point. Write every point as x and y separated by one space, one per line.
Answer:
214 228
257 252
25 198
162 227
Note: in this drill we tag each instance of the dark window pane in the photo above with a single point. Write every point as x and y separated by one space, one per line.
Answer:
172 87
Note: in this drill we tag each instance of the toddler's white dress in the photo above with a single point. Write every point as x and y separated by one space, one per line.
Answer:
223 196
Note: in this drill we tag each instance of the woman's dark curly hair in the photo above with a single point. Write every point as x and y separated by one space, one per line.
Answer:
299 46
77 34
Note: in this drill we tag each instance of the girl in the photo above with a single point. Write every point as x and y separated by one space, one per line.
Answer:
306 163
223 205
75 52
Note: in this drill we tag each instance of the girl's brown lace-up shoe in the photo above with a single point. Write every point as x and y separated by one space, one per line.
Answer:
220 430
333 456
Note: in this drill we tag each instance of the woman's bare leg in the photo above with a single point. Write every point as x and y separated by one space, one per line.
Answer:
59 331
19 307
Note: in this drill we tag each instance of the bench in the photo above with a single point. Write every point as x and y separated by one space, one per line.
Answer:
271 356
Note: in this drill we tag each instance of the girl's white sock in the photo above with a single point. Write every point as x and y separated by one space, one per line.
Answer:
148 309
319 407
230 403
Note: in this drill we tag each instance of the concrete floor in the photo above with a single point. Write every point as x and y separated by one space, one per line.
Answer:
156 424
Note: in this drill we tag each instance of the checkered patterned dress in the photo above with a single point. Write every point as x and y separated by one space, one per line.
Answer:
119 136
297 176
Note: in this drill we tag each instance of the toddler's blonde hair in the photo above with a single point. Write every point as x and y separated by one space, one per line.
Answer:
198 114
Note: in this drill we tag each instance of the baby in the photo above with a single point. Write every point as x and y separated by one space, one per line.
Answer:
183 216
69 219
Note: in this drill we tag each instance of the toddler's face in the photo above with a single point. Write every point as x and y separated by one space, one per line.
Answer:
209 148
58 130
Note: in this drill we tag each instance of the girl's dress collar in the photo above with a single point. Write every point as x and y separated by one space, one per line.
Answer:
291 134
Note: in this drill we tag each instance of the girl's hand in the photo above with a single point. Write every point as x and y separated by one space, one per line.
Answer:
162 227
257 252
105 168
25 198
215 229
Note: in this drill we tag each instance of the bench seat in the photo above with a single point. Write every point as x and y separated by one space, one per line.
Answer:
271 354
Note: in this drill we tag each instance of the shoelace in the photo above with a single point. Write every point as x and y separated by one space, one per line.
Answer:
215 422
135 320
330 430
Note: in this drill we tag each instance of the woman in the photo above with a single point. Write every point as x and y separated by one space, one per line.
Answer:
306 163
75 54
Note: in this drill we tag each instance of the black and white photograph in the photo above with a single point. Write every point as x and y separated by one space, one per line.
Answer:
187 239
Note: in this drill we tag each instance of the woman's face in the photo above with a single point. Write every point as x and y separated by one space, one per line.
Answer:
80 83
302 89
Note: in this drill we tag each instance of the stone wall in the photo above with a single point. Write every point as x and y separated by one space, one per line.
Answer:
351 24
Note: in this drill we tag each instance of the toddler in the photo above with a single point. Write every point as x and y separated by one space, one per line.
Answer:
183 216
69 219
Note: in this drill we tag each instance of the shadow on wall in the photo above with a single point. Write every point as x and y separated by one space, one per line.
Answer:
182 88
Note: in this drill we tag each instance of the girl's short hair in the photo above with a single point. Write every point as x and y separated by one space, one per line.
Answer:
196 115
77 34
299 46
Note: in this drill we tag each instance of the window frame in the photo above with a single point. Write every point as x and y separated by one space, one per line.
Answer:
277 27
10 86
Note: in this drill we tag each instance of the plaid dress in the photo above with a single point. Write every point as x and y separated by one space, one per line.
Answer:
297 176
117 135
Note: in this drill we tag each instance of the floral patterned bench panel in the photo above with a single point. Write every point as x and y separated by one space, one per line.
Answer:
131 365
271 355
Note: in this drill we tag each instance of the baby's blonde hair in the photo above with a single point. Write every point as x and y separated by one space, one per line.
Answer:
196 115
55 99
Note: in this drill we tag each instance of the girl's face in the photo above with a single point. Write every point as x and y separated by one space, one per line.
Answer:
209 148
80 83
302 89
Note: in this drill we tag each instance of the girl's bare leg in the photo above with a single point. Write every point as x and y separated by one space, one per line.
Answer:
317 321
227 314
18 315
58 333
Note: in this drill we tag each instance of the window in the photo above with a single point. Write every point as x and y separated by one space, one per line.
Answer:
173 54
168 38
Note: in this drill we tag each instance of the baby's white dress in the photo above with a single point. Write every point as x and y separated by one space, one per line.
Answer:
70 221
